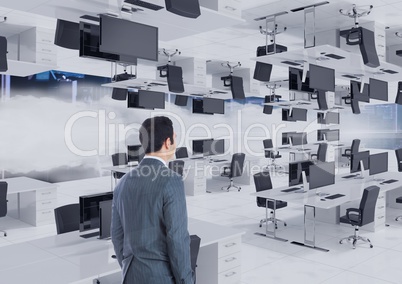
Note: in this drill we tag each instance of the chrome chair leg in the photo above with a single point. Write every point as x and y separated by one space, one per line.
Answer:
397 218
356 238
230 186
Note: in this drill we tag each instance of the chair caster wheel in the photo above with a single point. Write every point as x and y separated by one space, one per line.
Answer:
5 234
285 224
276 227
340 242
371 246
260 225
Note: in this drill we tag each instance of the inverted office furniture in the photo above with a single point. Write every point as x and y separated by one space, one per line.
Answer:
398 153
271 154
68 258
3 201
321 153
119 159
398 200
361 216
30 200
235 170
262 182
67 218
195 242
181 153
353 149
177 166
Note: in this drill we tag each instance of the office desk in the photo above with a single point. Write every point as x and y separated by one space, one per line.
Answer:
117 169
352 189
30 200
68 258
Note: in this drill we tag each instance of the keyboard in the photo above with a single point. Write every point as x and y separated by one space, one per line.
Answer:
389 181
284 147
334 196
290 189
223 160
196 158
350 176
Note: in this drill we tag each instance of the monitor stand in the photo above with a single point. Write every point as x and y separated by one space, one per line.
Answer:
376 179
361 175
305 186
90 235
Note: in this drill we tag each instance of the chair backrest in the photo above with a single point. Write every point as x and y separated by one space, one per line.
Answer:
398 153
367 204
195 242
268 143
355 146
262 181
119 159
181 153
322 152
236 166
3 198
67 218
177 166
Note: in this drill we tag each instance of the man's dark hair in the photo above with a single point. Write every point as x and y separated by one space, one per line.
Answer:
154 131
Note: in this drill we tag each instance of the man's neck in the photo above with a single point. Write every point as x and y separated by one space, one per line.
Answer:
159 155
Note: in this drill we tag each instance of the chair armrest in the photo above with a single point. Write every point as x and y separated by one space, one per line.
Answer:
353 210
314 155
348 151
226 170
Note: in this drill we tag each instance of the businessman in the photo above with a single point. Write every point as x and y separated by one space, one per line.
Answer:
149 217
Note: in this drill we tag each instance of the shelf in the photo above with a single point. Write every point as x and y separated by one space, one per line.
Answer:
23 69
350 63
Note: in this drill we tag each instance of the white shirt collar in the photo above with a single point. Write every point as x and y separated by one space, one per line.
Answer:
156 158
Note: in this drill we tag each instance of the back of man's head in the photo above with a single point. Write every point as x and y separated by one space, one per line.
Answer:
153 133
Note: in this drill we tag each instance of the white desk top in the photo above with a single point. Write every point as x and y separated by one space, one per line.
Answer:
23 184
69 258
352 189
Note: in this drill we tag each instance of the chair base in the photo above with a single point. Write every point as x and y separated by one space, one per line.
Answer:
397 218
273 220
230 186
356 238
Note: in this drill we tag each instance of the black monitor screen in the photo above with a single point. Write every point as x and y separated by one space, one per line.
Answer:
378 163
214 106
175 79
322 174
299 139
151 99
202 146
378 90
321 118
355 93
299 114
322 78
198 106
132 100
89 210
286 136
128 38
332 117
214 147
237 88
332 135
355 161
181 100
296 83
135 153
295 172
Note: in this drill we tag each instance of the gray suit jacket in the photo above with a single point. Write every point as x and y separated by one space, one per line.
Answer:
149 226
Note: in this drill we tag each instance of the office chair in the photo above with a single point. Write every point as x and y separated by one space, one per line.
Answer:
3 201
195 242
235 170
117 160
353 149
181 153
321 152
271 154
177 166
398 153
363 215
67 218
262 182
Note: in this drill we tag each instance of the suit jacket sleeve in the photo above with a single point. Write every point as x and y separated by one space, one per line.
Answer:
117 233
178 239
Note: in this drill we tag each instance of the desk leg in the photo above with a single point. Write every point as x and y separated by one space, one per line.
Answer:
111 180
309 243
268 233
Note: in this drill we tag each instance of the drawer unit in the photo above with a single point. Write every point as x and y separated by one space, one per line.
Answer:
229 262
228 247
45 194
36 45
232 276
231 7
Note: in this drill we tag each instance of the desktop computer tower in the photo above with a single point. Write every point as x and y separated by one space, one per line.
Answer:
185 8
3 54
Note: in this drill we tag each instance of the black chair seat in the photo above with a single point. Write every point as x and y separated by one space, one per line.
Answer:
279 203
118 175
399 199
354 219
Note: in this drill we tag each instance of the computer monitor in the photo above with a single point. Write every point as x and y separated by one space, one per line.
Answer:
295 172
296 83
299 114
181 100
378 163
322 174
286 137
332 135
236 87
355 93
355 161
175 79
332 117
378 90
151 99
322 78
299 139
135 153
214 147
202 146
211 105
89 212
